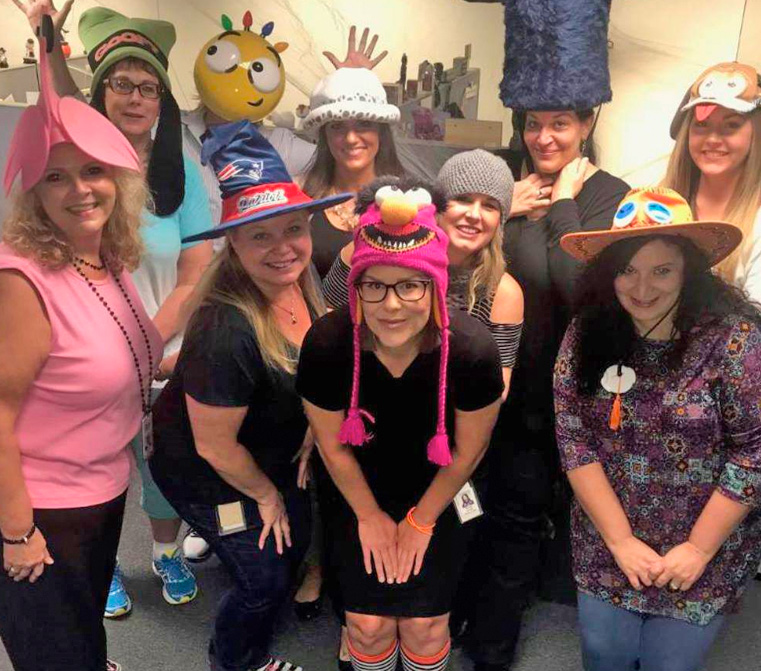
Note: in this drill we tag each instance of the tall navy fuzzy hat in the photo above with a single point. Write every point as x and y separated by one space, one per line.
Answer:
556 54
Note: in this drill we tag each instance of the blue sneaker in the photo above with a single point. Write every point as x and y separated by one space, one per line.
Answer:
179 582
118 603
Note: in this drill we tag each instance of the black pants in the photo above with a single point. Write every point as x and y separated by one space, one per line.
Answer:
56 624
515 557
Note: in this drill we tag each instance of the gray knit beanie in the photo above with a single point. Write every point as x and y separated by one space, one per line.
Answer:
478 171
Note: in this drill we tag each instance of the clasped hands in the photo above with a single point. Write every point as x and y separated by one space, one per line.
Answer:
678 569
395 549
535 193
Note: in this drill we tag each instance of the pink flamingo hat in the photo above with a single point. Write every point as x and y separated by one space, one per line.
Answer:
55 120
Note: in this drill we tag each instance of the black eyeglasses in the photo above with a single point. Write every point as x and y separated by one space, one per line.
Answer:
125 87
408 291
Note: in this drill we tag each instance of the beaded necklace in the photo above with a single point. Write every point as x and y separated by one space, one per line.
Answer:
145 391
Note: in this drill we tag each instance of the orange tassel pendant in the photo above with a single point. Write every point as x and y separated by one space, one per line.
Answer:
615 414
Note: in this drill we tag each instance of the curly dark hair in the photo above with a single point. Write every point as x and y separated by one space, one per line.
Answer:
606 331
366 196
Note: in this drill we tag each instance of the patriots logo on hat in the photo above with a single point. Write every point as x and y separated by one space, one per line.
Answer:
253 180
247 167
268 198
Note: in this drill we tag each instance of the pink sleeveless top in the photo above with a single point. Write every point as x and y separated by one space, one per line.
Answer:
84 407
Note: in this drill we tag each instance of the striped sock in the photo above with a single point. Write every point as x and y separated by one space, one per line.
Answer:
437 662
386 661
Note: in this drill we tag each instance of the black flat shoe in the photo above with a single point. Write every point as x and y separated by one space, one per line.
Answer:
344 665
307 610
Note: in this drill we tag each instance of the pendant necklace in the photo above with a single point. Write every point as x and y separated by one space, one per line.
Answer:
618 379
289 311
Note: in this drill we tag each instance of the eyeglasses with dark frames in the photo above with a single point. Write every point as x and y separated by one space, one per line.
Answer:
125 87
409 291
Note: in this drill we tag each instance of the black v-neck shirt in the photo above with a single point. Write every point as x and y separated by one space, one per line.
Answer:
220 364
327 243
548 276
395 461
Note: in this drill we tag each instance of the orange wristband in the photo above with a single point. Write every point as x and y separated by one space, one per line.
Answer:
426 529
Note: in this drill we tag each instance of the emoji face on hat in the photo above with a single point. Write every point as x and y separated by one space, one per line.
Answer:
731 85
239 74
656 211
651 207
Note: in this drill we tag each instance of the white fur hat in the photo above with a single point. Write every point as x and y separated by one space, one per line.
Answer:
349 93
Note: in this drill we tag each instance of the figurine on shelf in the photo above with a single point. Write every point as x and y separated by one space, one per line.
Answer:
65 46
3 59
29 56
438 77
425 76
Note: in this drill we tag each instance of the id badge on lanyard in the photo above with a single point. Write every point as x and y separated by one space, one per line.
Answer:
467 504
146 435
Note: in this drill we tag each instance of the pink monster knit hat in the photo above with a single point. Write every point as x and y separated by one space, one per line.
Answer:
400 229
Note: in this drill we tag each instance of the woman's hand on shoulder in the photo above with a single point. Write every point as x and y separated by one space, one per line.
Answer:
639 562
530 194
570 179
411 548
378 537
28 560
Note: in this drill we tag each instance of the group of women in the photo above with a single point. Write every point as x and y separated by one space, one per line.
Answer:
456 346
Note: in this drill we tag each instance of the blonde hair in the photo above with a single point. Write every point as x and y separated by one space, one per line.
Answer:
30 232
225 281
488 269
683 176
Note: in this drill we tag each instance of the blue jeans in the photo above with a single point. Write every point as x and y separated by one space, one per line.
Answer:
261 578
615 639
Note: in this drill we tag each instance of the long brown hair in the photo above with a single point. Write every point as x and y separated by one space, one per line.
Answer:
321 172
226 281
683 176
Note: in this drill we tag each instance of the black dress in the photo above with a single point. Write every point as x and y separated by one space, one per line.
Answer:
394 462
327 243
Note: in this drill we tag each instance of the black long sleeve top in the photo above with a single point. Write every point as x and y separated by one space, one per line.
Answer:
547 276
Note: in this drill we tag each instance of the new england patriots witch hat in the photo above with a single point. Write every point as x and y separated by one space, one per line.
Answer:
253 179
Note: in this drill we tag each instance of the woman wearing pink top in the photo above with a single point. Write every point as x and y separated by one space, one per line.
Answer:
79 354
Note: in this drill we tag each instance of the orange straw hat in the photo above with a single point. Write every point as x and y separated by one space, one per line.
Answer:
656 211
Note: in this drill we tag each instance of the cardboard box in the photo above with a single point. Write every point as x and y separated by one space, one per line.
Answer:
470 133
394 93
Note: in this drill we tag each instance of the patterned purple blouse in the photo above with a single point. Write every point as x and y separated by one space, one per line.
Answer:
682 435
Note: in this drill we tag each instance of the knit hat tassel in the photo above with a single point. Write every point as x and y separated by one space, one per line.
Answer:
438 447
353 430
